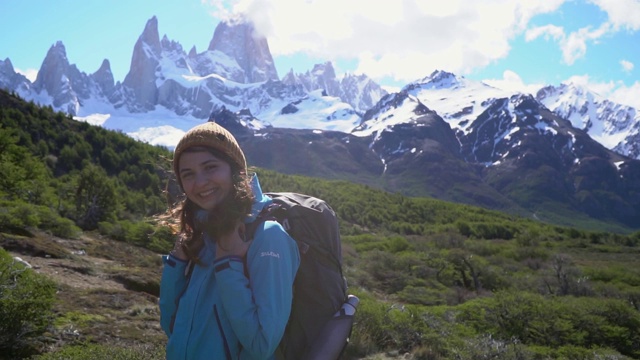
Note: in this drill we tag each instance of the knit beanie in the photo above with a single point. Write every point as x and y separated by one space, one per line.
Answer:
210 135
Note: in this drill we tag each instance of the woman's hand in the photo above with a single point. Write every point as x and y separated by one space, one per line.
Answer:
233 244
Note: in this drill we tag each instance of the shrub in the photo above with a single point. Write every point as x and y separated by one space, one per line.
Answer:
161 240
104 352
26 300
18 215
487 347
397 244
136 233
556 321
368 334
59 226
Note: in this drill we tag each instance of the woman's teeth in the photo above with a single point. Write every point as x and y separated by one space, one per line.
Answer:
206 193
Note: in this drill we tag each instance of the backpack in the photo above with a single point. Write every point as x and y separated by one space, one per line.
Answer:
319 289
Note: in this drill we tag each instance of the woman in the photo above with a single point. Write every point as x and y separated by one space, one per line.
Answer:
234 302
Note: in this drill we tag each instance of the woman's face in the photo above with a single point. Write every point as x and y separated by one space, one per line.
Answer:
206 179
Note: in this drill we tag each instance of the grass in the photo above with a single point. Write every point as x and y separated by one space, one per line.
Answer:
38 244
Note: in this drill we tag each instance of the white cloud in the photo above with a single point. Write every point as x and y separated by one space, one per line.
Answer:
408 40
31 74
511 81
548 31
627 66
585 80
574 46
628 95
621 13
405 41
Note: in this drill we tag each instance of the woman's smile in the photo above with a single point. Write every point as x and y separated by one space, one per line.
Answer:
206 193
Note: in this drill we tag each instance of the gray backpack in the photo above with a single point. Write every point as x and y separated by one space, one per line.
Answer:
319 289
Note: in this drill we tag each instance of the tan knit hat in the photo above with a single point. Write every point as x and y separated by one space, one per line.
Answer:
210 135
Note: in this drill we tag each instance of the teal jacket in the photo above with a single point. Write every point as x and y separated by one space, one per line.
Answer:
223 313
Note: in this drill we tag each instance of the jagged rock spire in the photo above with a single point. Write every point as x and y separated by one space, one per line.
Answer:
52 70
240 41
142 73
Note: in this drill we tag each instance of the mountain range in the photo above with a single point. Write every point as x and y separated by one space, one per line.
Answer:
564 154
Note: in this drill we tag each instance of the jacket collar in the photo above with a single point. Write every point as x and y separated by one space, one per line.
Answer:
261 200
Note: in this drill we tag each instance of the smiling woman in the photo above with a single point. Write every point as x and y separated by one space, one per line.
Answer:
220 297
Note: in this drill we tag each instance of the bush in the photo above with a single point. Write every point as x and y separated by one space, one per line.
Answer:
26 300
59 226
556 321
18 215
159 239
368 334
383 327
104 352
162 240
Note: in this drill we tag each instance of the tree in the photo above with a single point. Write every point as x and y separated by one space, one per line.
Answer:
11 174
95 198
22 176
565 278
68 159
469 267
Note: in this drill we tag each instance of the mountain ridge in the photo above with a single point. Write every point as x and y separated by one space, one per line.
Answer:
165 78
442 136
236 72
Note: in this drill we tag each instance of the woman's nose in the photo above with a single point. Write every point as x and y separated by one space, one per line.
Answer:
201 178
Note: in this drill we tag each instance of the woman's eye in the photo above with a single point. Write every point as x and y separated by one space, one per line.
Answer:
186 176
210 167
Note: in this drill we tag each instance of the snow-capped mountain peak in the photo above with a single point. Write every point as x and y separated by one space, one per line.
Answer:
13 80
440 79
613 125
391 110
458 100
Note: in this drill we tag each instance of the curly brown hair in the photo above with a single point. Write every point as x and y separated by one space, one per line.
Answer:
183 217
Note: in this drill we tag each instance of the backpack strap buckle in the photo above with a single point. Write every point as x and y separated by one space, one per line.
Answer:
303 247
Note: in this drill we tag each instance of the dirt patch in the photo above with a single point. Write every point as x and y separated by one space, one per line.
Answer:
90 262
107 289
85 273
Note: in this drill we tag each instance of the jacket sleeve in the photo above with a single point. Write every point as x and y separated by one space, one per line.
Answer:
258 306
171 285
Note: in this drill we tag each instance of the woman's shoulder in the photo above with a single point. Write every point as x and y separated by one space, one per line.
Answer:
270 228
271 233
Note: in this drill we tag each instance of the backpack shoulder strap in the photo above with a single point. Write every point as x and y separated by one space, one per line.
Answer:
267 213
272 212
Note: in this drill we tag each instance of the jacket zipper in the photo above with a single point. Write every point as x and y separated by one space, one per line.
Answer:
224 337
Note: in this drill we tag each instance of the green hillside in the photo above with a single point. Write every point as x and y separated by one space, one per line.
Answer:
437 280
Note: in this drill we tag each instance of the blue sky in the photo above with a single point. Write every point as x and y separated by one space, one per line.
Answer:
507 43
